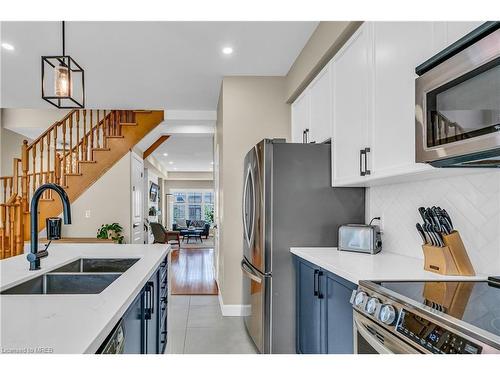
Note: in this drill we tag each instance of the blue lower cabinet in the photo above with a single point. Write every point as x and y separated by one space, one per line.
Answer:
145 321
151 313
308 309
338 314
323 312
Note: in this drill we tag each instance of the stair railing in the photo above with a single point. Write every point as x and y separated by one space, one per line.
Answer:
55 154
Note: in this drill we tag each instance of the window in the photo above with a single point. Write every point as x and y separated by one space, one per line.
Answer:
193 205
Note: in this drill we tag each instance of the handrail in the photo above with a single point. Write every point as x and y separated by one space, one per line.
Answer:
52 127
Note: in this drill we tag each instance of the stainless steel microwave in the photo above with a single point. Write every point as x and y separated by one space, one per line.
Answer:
457 103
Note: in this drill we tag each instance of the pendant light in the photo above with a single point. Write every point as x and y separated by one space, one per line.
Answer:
63 83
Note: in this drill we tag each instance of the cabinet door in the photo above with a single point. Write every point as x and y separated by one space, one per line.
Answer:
300 116
152 307
321 107
133 325
308 309
352 105
393 150
338 314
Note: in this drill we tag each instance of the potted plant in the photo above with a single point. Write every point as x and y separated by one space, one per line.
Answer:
111 231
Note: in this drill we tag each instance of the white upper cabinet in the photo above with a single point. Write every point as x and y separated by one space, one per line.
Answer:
312 111
321 107
352 107
364 99
300 116
399 47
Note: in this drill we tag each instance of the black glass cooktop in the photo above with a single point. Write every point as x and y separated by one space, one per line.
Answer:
474 302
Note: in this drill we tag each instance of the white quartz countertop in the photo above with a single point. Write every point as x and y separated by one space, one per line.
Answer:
383 266
76 323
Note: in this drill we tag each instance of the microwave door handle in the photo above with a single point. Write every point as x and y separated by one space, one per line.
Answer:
250 273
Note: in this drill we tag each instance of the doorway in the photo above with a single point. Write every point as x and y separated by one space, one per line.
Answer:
191 214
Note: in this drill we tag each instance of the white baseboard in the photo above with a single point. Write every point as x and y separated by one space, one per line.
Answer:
233 310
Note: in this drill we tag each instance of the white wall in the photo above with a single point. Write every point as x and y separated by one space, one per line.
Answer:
108 201
10 148
472 200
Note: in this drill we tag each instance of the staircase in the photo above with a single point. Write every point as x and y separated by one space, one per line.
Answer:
74 153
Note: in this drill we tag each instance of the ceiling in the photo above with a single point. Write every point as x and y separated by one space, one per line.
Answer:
186 152
174 65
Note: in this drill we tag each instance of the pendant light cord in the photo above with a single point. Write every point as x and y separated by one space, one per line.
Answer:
63 40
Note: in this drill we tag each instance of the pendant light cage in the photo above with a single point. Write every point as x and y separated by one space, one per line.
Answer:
63 83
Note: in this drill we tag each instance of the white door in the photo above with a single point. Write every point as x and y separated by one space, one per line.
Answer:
137 177
352 106
394 110
321 107
300 116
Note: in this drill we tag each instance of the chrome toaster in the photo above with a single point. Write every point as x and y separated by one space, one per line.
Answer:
360 238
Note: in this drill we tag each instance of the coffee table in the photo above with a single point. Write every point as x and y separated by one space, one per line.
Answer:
191 233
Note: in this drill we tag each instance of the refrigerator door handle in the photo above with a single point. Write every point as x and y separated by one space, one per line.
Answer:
248 235
250 273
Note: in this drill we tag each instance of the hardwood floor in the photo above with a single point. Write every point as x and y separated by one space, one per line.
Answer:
193 272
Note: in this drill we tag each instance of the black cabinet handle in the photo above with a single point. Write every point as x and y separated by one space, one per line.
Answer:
316 282
367 171
320 295
152 296
361 171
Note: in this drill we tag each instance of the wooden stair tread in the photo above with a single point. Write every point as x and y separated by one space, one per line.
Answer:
73 174
101 149
87 161
114 136
128 123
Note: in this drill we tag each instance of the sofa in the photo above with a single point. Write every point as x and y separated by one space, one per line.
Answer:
181 224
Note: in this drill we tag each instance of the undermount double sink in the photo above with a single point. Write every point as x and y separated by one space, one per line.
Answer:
82 276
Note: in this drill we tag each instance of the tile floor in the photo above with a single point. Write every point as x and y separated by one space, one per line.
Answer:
196 326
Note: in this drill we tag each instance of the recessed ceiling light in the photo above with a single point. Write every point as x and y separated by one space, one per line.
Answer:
227 50
165 154
175 168
8 47
212 163
170 162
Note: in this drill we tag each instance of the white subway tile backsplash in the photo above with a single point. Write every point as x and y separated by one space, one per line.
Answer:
473 202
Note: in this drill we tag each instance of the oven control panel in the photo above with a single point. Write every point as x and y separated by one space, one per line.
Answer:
433 337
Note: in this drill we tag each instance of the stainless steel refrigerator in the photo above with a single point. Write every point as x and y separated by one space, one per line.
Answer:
287 201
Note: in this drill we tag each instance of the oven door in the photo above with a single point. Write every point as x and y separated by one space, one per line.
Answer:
457 108
370 338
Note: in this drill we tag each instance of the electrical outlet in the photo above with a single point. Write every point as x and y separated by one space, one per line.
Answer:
381 223
87 214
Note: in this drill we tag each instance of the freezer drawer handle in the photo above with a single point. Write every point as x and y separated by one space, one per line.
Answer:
250 273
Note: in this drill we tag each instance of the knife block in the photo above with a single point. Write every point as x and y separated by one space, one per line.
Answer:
451 259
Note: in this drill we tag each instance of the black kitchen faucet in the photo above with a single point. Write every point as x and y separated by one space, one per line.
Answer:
35 255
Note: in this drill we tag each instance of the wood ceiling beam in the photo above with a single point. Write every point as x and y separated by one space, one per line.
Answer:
155 145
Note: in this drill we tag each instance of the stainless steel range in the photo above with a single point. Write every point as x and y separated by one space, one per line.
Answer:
436 317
